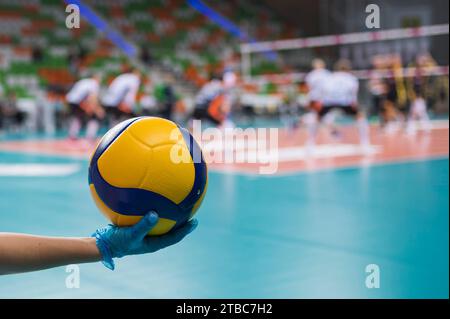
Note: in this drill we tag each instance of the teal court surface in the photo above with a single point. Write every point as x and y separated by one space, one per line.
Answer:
300 234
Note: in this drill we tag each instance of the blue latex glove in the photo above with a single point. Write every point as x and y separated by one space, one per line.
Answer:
114 241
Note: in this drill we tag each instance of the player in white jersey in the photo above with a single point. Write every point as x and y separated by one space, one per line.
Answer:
209 101
315 80
339 91
121 96
84 107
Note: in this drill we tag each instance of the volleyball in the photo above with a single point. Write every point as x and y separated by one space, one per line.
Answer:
148 164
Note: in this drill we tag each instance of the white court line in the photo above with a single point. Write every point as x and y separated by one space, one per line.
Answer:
248 146
300 153
316 152
38 169
436 124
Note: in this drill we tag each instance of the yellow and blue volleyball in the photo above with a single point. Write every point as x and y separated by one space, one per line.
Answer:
148 164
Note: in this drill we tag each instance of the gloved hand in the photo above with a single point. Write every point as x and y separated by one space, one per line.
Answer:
113 241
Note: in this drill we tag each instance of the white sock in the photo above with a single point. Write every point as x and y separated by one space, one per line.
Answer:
74 128
91 129
311 123
425 121
363 128
411 125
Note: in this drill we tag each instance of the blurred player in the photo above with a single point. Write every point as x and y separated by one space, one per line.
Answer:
314 81
396 96
211 102
231 96
417 89
169 98
121 95
340 92
83 102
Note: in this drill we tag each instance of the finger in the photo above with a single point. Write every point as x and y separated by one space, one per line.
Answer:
141 229
176 236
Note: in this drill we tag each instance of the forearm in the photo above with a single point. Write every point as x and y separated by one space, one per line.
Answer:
22 253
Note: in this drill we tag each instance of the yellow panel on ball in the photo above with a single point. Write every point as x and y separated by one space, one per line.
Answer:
172 180
154 131
124 162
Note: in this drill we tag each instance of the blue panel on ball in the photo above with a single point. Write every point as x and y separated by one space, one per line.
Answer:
200 171
134 201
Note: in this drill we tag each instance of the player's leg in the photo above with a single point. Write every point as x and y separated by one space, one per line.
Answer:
412 117
112 115
290 117
418 113
391 116
92 127
329 121
311 121
362 125
196 115
19 118
422 114
75 120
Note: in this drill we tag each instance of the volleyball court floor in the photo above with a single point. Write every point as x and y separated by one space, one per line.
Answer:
308 231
